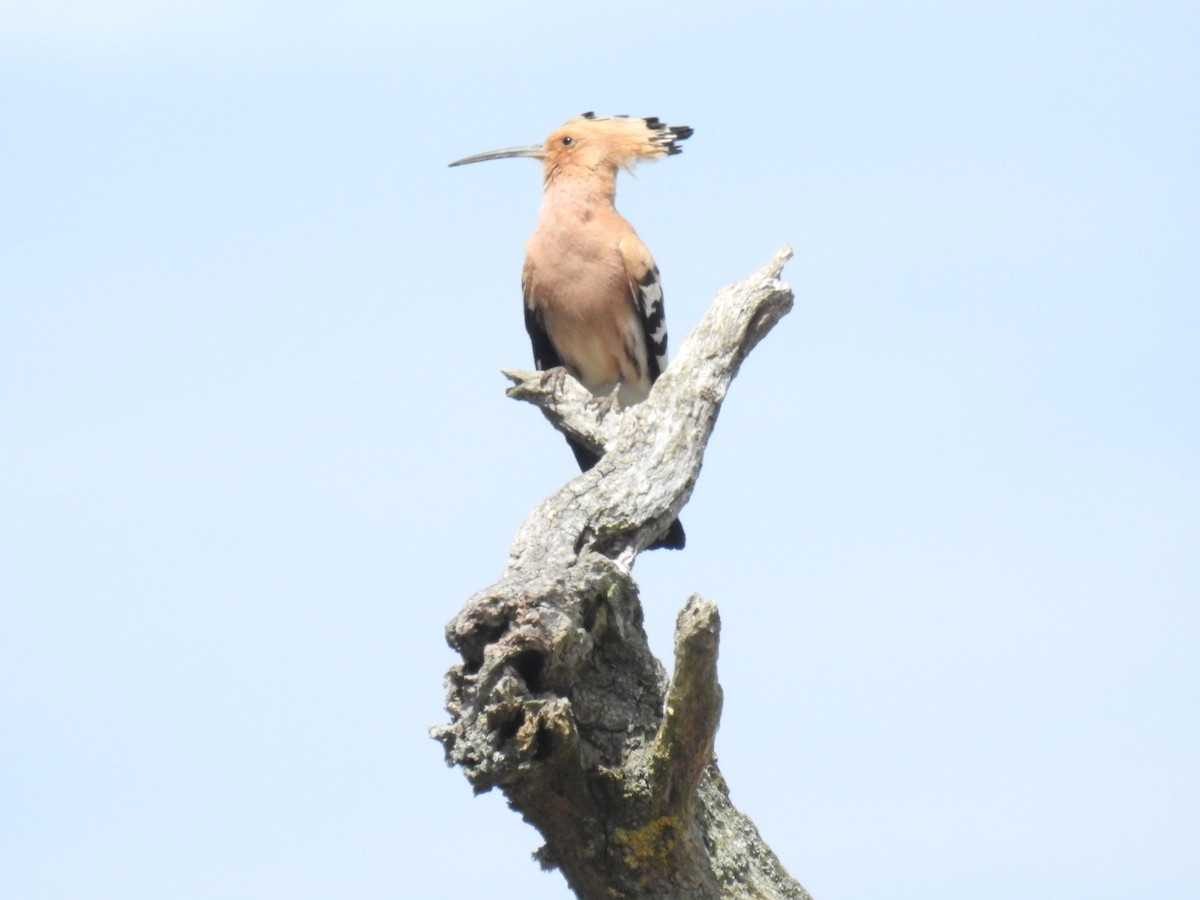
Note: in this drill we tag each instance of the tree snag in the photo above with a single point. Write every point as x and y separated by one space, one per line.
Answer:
558 700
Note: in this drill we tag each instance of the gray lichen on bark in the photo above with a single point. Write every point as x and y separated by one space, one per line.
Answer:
558 700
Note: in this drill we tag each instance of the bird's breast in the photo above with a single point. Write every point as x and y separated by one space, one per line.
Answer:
576 280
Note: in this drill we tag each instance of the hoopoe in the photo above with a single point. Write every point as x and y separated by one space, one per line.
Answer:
593 300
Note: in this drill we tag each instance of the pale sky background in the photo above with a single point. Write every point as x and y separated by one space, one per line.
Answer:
255 450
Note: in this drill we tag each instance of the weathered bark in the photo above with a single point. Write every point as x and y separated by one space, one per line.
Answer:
558 700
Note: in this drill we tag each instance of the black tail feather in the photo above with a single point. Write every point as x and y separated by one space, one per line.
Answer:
674 539
585 457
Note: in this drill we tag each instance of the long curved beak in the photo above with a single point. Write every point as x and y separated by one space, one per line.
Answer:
535 152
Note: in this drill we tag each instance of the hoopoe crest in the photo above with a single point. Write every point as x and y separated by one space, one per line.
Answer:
590 145
593 301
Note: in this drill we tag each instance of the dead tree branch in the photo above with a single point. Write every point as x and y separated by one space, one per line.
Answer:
558 700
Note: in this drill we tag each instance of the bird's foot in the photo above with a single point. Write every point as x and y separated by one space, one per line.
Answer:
555 379
605 403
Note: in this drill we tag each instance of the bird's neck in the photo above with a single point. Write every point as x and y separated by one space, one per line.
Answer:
578 195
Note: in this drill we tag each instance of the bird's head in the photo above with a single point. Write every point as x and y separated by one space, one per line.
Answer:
594 144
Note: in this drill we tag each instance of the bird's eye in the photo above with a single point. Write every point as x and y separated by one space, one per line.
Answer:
568 141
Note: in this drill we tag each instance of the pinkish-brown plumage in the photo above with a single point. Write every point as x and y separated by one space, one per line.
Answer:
593 302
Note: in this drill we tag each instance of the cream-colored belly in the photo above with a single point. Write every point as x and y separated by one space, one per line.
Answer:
579 285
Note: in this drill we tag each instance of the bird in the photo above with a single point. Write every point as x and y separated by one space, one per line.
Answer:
592 293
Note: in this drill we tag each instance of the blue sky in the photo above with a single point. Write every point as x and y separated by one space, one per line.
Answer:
256 450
